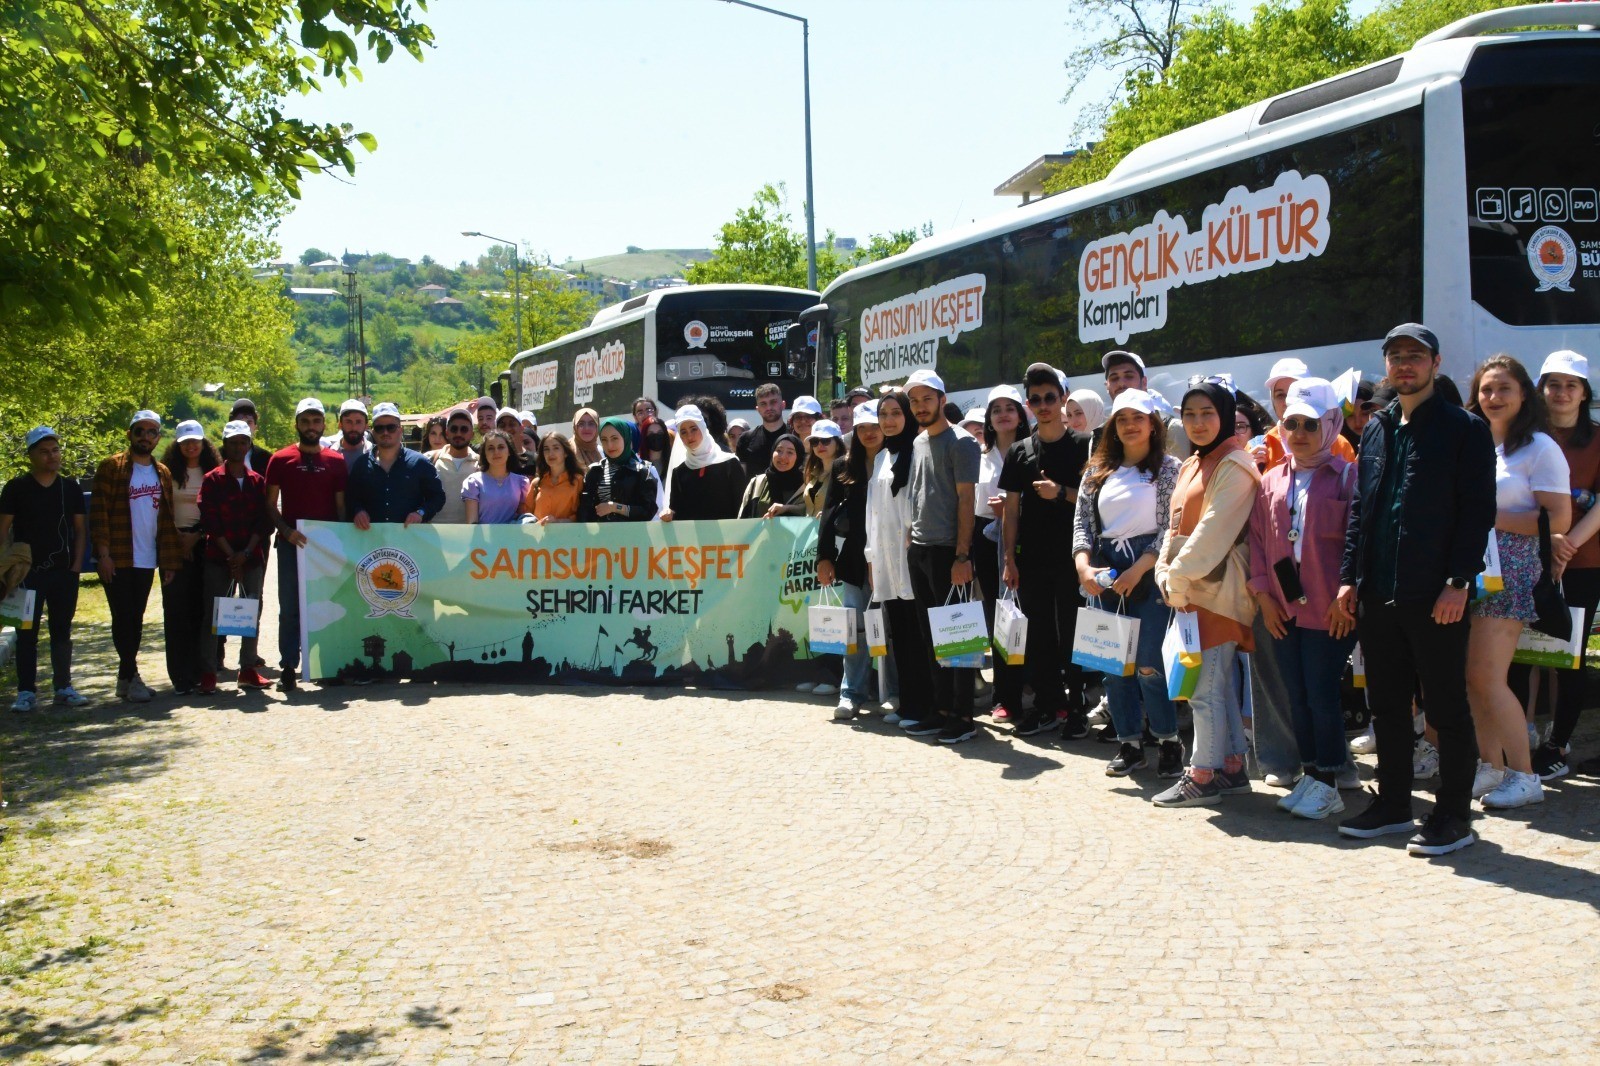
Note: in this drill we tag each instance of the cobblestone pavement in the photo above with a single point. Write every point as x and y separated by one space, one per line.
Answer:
437 874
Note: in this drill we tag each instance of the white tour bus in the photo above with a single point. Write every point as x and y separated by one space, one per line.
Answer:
1453 185
670 345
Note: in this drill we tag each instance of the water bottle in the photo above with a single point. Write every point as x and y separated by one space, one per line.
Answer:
1583 498
1104 578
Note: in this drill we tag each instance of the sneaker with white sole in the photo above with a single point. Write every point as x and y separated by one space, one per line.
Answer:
825 690
1288 780
1376 821
1440 835
958 732
844 712
1366 743
892 718
67 696
1516 789
1130 757
1424 761
806 686
25 703
1288 803
890 705
1348 779
923 729
1191 793
1319 801
1101 713
138 691
1487 780
1550 762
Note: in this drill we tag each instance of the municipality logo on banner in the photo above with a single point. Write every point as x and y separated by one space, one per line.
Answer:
388 581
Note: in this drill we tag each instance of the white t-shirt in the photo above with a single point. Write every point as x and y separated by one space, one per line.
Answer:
1538 466
144 507
1127 503
988 482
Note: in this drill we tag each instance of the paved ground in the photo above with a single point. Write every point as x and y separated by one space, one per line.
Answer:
442 875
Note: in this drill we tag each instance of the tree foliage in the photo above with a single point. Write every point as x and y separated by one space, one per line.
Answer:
1224 63
97 92
549 310
1131 37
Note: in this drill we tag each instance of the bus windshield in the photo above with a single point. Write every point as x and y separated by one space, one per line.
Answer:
726 344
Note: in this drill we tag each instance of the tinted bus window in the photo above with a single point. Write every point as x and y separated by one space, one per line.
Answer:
1533 167
604 370
1332 254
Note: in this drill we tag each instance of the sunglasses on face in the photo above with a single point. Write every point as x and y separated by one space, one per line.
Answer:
145 432
458 427
1040 399
387 428
1300 425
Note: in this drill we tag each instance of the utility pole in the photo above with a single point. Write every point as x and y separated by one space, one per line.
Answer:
351 341
361 324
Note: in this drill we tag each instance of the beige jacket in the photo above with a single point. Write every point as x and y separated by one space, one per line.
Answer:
1210 567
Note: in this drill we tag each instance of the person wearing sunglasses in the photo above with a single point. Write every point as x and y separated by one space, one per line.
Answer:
392 483
455 462
1040 480
131 524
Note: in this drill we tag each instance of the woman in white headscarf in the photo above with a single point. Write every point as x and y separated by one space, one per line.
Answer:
703 481
1085 410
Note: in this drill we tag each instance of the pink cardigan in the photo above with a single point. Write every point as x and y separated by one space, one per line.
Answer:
1322 538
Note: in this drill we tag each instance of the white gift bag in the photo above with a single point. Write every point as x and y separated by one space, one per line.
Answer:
877 632
1491 580
1105 641
1010 629
16 610
1358 667
1180 654
235 616
832 627
960 633
1537 649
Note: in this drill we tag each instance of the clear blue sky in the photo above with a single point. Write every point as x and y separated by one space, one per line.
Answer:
581 126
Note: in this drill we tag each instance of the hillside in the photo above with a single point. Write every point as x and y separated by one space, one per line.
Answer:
636 266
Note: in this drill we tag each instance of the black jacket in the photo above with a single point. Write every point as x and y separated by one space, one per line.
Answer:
711 492
634 487
842 535
1447 495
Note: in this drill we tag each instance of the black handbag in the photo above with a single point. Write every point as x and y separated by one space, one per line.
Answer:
1554 620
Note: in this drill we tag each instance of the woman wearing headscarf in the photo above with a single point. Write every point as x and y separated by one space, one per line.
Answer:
888 538
586 436
1085 411
703 481
620 487
778 491
1297 531
1204 568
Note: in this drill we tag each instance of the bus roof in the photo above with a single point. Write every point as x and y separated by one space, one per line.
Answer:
1443 54
654 297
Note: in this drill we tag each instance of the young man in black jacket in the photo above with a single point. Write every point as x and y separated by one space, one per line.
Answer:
1420 520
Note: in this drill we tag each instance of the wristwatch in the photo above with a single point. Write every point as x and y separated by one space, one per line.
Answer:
963 557
1458 583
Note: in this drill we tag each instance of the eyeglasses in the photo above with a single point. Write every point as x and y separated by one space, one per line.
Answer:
1039 399
145 432
1300 425
387 427
456 427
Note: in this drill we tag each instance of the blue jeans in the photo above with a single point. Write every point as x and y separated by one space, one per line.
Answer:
1312 663
1133 700
1278 746
857 667
1218 729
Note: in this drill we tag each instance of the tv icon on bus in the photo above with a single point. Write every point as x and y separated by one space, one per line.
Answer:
1553 204
1491 205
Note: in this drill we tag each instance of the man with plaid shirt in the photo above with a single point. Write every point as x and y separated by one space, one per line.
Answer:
130 522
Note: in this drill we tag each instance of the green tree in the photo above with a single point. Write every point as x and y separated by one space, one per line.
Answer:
97 91
1131 37
549 310
313 255
383 333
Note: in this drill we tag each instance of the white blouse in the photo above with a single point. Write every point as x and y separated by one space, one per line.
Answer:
888 532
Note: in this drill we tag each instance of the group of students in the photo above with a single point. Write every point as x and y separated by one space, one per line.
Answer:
1287 534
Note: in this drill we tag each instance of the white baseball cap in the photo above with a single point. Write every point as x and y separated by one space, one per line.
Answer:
1133 400
1291 368
1004 392
866 413
1565 361
528 418
512 411
352 405
806 405
1162 405
39 433
189 429
825 429
310 403
976 413
927 379
1313 397
1118 355
237 429
487 401
144 416
385 409
740 423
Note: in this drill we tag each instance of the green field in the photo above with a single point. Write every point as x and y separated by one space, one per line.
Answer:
636 266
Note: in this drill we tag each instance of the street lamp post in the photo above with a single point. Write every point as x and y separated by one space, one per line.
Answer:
811 213
516 269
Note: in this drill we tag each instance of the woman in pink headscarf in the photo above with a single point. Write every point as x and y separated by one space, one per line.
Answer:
1296 546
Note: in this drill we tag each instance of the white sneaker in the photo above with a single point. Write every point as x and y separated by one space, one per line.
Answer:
1319 801
1292 800
806 687
892 718
1516 790
138 691
1366 743
824 690
1101 713
844 712
1349 779
1288 780
25 703
1425 761
67 696
1487 780
890 705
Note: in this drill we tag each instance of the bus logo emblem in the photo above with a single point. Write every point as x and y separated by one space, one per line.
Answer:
695 334
1553 258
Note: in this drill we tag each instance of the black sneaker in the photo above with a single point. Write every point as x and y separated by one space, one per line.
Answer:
1550 762
286 681
1441 834
1376 821
1076 725
1170 762
931 727
958 732
1129 758
1032 724
1106 734
1233 782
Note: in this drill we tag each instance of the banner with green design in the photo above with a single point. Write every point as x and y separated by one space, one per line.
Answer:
710 604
